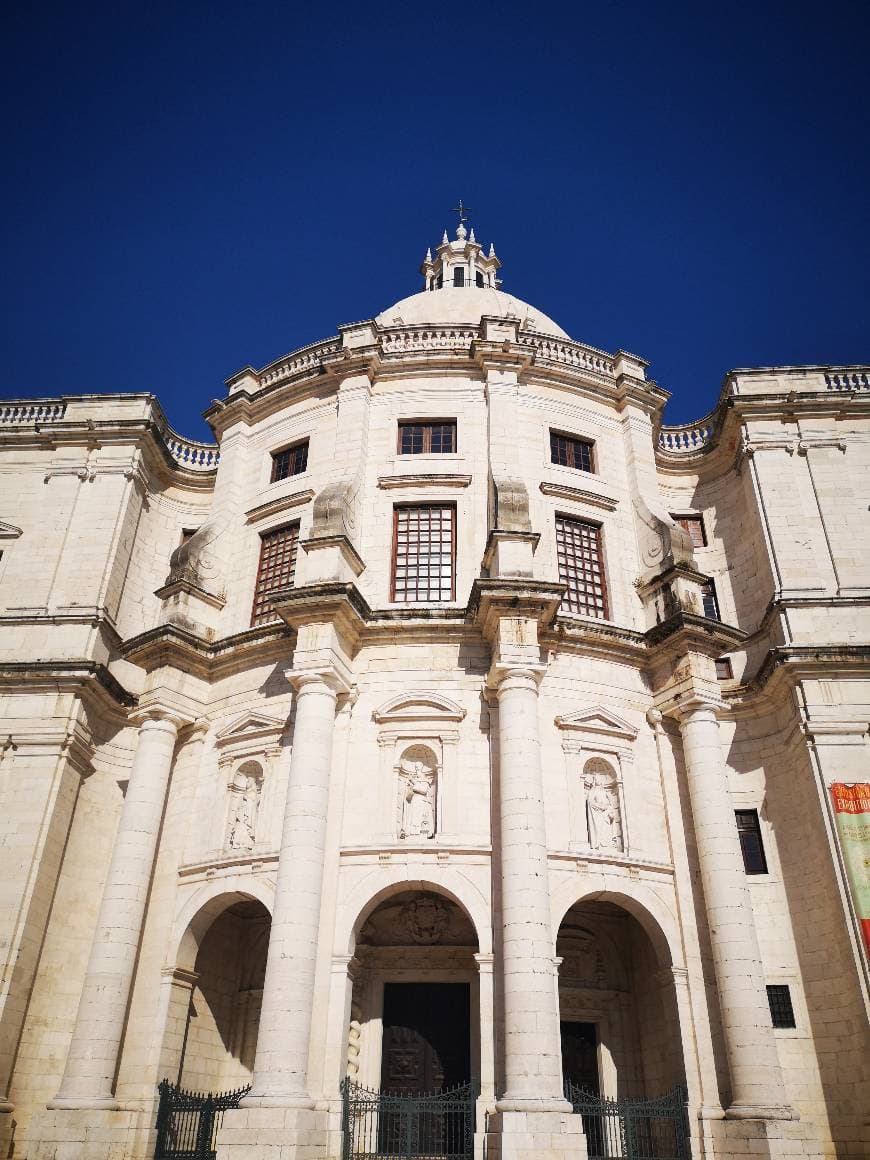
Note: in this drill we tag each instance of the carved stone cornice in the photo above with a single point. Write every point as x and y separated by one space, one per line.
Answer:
579 495
67 676
491 599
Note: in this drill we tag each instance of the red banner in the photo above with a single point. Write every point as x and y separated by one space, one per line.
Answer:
852 812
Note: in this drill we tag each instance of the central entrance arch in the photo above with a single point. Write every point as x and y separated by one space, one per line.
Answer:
415 1001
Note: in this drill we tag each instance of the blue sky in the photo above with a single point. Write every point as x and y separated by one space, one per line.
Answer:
193 187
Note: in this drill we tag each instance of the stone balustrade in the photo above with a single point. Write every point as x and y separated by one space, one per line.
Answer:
573 354
847 379
307 358
41 411
687 437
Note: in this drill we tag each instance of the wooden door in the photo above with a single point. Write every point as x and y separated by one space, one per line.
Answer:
427 1037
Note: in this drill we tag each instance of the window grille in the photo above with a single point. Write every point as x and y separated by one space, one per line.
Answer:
751 845
710 600
424 551
432 438
277 566
694 525
570 452
781 1009
459 276
578 550
291 461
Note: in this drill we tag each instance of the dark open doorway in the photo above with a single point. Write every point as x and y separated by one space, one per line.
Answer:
580 1055
427 1037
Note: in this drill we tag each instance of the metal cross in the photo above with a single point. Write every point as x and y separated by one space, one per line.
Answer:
463 212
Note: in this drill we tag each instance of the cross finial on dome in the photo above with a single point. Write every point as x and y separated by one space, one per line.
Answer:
463 211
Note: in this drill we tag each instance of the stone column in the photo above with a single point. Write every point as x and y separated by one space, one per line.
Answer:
533 1052
756 1079
93 1054
487 1027
281 1064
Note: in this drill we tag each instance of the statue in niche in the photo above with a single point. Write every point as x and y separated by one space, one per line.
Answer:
416 799
243 823
603 822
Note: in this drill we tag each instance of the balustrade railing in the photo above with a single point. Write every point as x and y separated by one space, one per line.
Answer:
687 437
409 338
36 412
572 354
305 359
847 380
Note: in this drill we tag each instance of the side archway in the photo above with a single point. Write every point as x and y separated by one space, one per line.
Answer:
213 990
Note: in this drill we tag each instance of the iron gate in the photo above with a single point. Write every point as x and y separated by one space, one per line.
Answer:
402 1125
632 1129
187 1122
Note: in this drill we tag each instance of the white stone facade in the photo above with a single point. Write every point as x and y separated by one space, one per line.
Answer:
220 844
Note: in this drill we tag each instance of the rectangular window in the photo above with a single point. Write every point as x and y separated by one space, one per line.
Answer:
694 525
459 276
578 549
708 598
781 1010
724 671
478 278
291 461
751 846
431 438
277 565
570 452
424 553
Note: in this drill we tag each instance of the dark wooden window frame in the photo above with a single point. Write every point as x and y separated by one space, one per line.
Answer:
751 841
781 1006
271 576
567 600
724 669
407 507
289 455
687 523
579 452
427 427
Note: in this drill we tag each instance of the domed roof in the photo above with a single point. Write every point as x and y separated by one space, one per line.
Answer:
454 305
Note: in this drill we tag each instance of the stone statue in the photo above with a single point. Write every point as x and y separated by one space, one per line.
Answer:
416 800
242 832
602 813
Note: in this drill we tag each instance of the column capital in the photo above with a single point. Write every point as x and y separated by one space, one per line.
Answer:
485 963
320 679
697 707
157 711
503 677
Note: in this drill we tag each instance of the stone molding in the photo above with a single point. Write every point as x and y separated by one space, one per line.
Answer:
579 495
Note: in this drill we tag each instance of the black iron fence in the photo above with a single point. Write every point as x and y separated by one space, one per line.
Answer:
187 1122
396 1126
632 1129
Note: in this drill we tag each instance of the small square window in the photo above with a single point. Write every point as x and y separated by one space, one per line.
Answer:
694 525
781 1009
570 452
433 437
291 461
751 845
724 671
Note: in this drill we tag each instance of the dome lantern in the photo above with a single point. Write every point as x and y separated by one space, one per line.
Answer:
461 262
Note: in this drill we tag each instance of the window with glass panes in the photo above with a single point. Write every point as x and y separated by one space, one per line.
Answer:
277 565
291 461
751 845
430 438
578 550
709 600
570 452
694 525
424 550
781 1009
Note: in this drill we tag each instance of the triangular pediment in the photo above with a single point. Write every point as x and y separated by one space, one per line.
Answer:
419 706
250 725
599 721
9 531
